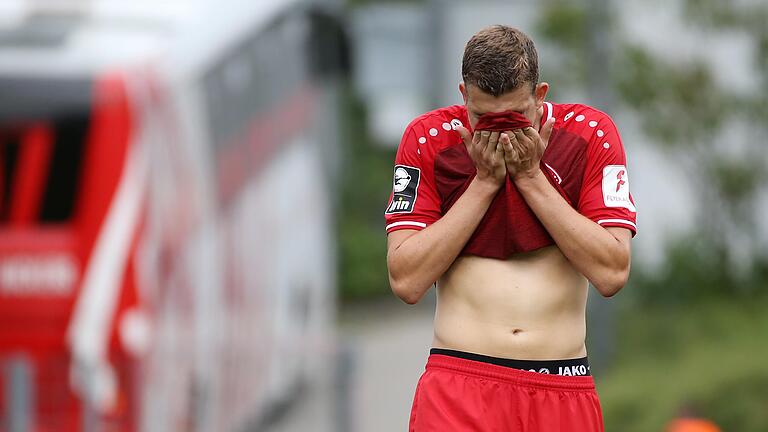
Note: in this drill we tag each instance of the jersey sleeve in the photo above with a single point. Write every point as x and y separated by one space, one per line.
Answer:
414 202
605 197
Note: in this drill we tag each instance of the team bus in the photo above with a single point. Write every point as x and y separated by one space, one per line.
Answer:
166 203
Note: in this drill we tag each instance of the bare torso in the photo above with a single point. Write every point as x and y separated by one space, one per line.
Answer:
528 307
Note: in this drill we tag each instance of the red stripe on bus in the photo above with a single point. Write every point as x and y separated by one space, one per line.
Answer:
31 174
2 175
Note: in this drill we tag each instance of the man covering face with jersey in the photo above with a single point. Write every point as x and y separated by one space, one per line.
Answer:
510 205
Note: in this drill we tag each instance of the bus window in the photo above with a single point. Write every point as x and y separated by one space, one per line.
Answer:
60 192
39 170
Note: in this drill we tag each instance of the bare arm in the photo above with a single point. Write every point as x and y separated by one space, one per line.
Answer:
416 259
602 255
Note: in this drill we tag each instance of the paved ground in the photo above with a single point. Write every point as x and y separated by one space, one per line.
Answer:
391 343
387 343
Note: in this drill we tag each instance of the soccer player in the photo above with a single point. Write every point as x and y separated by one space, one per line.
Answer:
510 224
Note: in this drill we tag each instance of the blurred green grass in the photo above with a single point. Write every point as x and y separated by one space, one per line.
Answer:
710 355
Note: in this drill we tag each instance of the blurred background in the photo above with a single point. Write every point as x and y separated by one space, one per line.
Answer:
192 196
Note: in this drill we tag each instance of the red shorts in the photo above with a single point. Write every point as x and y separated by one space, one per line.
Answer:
456 394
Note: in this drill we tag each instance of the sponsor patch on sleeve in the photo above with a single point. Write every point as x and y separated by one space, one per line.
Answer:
405 187
616 187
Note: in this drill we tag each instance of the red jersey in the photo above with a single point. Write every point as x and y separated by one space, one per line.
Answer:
584 161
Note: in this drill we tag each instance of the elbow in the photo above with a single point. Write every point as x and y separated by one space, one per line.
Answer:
609 285
609 290
405 291
402 282
614 273
410 299
405 287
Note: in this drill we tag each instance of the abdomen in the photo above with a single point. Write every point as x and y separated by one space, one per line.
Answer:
530 306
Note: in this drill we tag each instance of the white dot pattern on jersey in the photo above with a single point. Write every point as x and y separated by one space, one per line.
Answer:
456 123
580 117
592 123
568 116
606 145
433 132
600 133
418 151
422 140
447 126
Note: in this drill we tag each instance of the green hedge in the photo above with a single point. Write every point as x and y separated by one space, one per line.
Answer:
711 356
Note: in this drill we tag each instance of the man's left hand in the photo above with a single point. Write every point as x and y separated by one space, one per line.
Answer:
523 149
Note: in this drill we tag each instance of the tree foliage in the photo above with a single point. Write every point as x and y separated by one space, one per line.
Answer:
702 308
686 112
365 188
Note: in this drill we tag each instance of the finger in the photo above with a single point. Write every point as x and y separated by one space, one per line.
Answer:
520 142
546 131
481 141
513 140
498 155
493 139
533 136
510 154
504 140
476 137
484 136
531 133
466 137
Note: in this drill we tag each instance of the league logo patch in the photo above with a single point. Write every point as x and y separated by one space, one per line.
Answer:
405 189
402 179
616 187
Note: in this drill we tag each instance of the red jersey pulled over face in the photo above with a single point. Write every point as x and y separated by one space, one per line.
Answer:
584 161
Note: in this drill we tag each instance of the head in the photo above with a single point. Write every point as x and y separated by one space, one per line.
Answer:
500 72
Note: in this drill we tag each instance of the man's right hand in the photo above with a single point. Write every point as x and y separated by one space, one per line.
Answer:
486 152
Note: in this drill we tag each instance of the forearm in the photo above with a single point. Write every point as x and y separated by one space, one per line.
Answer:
416 263
592 249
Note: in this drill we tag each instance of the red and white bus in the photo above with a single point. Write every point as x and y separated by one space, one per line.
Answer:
166 202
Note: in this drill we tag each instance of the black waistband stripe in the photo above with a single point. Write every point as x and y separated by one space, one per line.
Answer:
568 367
